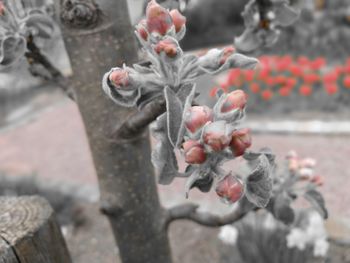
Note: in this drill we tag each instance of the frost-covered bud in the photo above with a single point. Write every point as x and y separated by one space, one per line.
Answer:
119 78
215 136
141 29
241 140
194 152
226 53
235 100
230 189
196 117
168 46
178 19
158 19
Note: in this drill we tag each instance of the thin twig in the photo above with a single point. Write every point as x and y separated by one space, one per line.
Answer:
190 212
138 121
34 56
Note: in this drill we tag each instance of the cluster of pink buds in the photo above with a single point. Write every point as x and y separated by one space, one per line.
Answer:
304 168
209 134
212 136
159 34
160 22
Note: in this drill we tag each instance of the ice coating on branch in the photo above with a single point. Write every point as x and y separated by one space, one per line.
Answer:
262 21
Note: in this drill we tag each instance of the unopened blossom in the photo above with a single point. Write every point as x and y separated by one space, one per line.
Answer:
194 152
235 100
215 136
230 189
158 19
226 53
196 117
141 29
241 140
168 46
119 78
178 19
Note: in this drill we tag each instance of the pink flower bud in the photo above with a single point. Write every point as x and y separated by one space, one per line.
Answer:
318 180
215 136
168 46
241 140
196 117
235 100
194 152
158 18
178 19
230 189
141 29
2 8
119 78
293 165
228 51
308 163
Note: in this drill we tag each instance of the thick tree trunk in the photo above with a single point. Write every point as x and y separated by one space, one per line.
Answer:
128 191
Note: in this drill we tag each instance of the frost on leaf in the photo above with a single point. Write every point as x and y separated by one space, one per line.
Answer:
259 183
317 201
18 23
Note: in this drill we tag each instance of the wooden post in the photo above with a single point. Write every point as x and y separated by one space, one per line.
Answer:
29 232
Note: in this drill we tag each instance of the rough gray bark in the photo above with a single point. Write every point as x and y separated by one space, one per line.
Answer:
29 232
128 191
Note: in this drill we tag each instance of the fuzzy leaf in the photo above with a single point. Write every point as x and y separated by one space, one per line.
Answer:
210 63
285 15
191 181
282 209
163 156
174 114
231 116
202 182
12 49
42 25
125 98
248 41
317 201
188 104
251 156
269 37
259 183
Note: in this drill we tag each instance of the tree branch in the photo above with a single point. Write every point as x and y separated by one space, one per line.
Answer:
138 121
34 56
190 212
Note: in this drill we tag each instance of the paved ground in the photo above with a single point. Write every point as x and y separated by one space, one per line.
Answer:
54 147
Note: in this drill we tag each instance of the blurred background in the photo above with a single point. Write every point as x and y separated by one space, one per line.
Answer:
299 99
